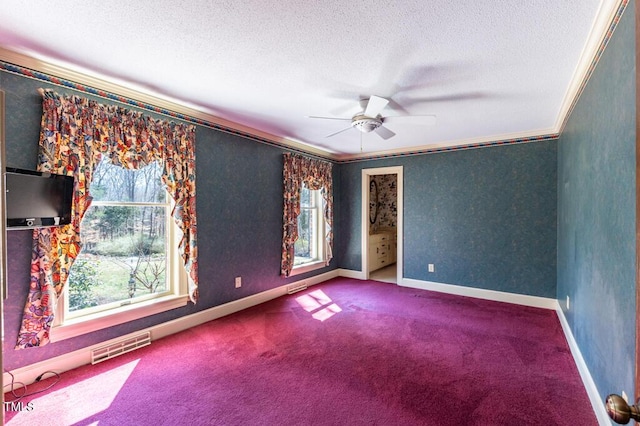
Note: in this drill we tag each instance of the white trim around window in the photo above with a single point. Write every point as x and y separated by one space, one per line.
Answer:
105 319
307 267
319 241
176 297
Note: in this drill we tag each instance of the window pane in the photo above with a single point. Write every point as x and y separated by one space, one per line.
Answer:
114 183
123 256
305 246
306 199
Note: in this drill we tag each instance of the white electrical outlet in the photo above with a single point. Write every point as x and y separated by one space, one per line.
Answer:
238 282
431 267
568 302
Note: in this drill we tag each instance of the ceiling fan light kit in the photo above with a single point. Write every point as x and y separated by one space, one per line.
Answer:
366 124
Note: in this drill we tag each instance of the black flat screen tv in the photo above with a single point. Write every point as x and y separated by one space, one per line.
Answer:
37 199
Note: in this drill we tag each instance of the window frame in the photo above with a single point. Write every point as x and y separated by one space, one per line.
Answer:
319 231
69 324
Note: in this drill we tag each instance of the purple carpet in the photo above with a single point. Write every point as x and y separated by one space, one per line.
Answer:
343 352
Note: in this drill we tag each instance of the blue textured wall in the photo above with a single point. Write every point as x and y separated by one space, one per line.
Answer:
239 207
596 215
486 217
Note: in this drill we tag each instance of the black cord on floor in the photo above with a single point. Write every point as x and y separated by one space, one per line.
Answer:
24 386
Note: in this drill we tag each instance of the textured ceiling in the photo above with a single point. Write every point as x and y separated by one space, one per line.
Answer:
488 70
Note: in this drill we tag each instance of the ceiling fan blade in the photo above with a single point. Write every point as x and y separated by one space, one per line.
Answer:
423 120
375 105
339 131
384 133
328 118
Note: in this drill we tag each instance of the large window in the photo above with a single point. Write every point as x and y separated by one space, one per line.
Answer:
309 247
307 219
127 257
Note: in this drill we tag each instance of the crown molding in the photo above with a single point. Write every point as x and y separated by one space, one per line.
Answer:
108 89
460 145
38 69
602 29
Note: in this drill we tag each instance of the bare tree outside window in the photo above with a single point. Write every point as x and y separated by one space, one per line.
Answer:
124 254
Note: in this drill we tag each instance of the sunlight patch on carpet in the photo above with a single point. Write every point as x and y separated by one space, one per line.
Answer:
101 389
319 305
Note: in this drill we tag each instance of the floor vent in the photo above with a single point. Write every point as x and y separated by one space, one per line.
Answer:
296 287
119 348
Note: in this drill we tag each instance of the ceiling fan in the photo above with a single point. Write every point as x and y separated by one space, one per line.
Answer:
371 120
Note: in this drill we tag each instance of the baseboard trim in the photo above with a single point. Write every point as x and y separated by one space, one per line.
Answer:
60 364
590 386
479 293
349 273
184 323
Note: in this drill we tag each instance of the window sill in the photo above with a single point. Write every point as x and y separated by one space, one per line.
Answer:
98 321
307 267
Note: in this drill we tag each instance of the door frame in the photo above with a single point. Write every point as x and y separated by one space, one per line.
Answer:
366 174
637 76
3 240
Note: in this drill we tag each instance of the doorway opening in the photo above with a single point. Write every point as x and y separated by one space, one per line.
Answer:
382 224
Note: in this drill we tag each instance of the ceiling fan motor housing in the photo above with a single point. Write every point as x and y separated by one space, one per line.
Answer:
366 124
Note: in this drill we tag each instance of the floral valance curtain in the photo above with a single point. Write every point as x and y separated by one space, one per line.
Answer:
314 174
75 133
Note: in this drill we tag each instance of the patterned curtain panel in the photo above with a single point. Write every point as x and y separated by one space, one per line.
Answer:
314 174
75 134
